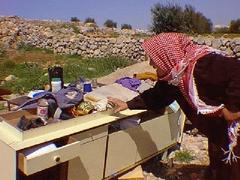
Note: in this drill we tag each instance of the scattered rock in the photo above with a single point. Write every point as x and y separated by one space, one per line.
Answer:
10 78
193 170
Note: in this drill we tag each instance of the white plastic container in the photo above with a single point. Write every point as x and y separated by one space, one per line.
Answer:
56 86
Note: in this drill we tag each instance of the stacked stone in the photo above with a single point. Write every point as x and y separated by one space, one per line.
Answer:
62 38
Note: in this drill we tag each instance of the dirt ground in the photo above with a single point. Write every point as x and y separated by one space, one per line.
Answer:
157 170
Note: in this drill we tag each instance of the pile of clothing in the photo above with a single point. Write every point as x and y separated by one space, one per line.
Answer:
63 105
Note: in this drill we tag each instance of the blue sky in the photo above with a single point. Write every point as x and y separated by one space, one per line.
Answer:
134 12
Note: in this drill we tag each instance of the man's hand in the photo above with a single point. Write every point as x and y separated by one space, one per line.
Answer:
230 116
119 104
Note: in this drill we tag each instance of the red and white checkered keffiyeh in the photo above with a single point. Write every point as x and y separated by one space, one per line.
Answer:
176 55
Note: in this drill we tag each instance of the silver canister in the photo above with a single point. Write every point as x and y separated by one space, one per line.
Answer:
42 110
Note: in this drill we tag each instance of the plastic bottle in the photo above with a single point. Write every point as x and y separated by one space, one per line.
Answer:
56 84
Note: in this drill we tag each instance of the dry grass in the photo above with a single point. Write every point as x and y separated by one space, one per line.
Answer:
41 58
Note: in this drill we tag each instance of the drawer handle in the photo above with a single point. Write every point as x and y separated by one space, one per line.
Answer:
57 159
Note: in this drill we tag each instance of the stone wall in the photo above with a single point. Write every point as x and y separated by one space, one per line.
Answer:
61 38
230 46
72 38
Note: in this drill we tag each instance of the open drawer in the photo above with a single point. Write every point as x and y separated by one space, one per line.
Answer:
32 164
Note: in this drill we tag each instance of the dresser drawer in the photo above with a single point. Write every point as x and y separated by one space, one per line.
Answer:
32 164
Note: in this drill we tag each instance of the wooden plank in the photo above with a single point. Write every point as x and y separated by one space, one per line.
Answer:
7 162
135 174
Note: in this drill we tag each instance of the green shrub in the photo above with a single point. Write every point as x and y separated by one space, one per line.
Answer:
221 30
90 20
173 18
64 25
196 22
183 156
74 19
126 26
71 26
9 64
167 18
234 26
110 24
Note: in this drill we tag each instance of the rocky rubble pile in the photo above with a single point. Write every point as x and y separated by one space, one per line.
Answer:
197 146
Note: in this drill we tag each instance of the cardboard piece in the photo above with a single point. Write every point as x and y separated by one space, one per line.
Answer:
113 90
